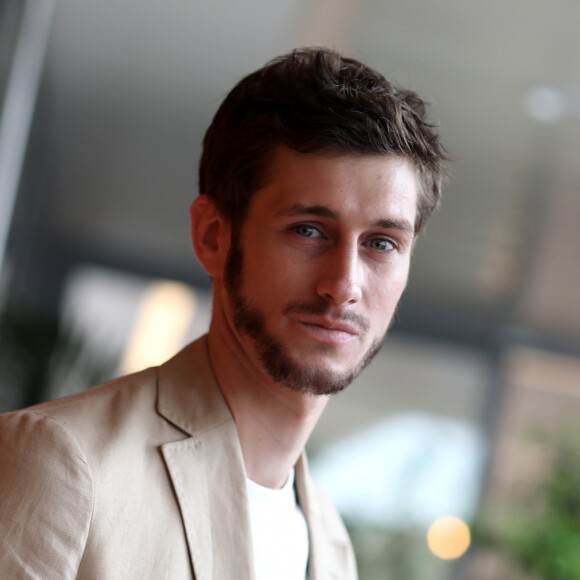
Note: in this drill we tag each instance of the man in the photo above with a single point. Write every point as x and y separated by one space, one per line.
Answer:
316 177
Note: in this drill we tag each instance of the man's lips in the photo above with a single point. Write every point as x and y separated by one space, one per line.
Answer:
320 315
325 335
338 326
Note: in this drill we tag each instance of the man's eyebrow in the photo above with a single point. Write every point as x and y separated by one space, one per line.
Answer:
299 209
395 224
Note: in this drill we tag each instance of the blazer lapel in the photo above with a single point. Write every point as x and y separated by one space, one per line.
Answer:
328 558
206 469
212 499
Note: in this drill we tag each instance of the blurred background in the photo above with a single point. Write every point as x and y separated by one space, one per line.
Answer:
455 455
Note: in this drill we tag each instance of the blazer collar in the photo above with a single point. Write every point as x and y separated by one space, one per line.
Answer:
188 393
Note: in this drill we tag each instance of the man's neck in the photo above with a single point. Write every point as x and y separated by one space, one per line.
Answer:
273 421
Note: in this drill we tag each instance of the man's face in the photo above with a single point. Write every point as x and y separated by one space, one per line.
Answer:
313 281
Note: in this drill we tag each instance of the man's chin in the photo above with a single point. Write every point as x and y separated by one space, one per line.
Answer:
318 383
309 374
312 372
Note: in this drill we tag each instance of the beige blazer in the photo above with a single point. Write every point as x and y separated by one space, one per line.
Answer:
141 478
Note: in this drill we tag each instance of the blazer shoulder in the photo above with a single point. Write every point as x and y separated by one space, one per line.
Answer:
46 497
101 405
136 384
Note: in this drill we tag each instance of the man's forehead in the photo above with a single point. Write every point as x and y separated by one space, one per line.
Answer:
324 183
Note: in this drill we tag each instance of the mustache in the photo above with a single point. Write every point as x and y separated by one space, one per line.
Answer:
321 309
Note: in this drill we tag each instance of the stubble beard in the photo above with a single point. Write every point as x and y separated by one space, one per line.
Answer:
271 352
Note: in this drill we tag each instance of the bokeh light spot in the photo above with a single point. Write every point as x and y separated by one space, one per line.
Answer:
448 537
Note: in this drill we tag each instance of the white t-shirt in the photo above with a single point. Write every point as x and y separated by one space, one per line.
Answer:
279 532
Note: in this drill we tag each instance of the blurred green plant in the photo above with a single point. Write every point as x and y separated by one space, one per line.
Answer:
539 529
383 554
394 553
26 343
38 353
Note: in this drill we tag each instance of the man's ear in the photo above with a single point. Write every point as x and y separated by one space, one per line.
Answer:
210 234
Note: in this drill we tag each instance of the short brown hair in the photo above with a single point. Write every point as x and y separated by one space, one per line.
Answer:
315 100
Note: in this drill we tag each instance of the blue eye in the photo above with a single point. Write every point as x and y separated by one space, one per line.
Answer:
307 231
382 244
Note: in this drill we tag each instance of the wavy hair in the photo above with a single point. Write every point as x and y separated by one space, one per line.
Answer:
314 100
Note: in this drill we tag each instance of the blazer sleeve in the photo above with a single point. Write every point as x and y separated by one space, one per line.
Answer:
46 498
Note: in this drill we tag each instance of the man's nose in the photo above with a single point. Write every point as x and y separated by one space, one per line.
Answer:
339 282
